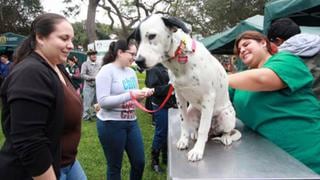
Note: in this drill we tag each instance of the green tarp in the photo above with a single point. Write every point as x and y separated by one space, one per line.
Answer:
222 43
303 12
9 41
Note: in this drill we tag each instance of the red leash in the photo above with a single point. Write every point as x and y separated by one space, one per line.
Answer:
160 107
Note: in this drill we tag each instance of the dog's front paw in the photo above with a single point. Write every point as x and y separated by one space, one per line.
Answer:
183 143
195 155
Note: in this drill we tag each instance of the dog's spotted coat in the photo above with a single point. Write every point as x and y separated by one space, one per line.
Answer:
201 82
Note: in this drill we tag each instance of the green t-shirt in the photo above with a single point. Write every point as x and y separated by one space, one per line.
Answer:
289 117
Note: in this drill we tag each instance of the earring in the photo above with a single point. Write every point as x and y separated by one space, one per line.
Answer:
41 45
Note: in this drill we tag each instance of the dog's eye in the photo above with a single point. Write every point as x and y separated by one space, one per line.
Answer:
151 36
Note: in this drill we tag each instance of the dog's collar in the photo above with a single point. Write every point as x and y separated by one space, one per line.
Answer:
180 55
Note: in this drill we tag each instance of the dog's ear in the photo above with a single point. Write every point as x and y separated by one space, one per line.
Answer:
173 22
135 35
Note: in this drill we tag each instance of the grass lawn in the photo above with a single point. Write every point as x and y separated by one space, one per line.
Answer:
90 152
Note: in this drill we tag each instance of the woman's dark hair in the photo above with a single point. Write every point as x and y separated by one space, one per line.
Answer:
4 55
255 36
43 25
114 46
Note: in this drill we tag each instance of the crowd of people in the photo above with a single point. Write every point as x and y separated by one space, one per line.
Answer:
45 96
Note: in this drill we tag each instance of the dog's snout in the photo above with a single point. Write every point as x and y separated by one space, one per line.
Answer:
140 59
141 62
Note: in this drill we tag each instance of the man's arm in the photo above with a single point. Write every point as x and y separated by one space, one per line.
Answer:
84 71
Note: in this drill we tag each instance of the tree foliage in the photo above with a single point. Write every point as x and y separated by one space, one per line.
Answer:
123 15
205 16
80 35
130 12
210 16
16 16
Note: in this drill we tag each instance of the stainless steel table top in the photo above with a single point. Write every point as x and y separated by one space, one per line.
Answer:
253 157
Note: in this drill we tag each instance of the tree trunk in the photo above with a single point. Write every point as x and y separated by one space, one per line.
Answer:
90 23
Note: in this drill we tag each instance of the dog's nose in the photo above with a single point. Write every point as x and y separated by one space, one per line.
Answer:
140 59
141 62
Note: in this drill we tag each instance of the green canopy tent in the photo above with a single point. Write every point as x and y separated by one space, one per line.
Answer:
222 43
9 41
303 12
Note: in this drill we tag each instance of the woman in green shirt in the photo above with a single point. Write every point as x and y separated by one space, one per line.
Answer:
274 98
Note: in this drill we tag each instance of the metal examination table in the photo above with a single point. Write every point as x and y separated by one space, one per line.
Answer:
253 157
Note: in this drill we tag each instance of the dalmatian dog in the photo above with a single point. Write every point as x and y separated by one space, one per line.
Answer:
199 80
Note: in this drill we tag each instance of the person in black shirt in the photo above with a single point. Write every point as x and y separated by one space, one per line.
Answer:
157 78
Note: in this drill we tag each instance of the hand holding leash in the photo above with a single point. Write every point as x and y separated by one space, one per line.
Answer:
148 91
142 93
160 107
137 94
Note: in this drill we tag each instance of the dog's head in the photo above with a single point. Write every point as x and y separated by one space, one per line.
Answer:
154 36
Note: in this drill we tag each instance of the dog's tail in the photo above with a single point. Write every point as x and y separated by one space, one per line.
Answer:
234 135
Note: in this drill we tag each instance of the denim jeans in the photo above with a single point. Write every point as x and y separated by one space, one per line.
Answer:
88 100
161 128
117 137
73 172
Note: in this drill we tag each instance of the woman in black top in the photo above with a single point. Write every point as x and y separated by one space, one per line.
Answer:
33 102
